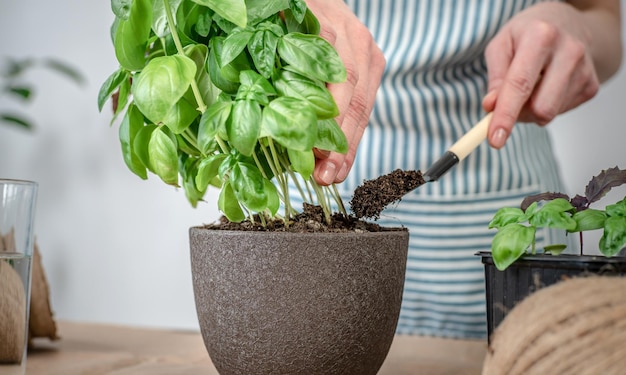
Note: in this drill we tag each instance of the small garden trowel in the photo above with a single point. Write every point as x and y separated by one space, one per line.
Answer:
458 151
373 196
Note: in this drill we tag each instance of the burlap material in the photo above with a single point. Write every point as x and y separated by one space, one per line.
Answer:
12 313
42 323
577 326
12 296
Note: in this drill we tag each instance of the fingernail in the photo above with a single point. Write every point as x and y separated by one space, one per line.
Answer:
329 173
343 172
499 138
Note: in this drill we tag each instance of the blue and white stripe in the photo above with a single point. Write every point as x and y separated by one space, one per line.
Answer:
430 96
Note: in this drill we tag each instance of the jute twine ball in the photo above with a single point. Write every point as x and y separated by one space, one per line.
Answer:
12 314
577 326
41 323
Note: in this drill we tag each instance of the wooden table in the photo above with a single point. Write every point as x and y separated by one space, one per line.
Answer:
95 349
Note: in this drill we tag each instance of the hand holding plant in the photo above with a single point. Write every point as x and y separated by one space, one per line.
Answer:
517 226
226 93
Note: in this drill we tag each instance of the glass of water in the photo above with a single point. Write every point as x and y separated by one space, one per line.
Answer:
17 211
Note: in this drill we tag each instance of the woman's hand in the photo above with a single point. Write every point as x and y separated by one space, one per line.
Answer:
364 63
549 59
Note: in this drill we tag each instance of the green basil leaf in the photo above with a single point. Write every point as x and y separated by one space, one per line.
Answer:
613 239
309 25
558 205
203 26
130 126
232 10
531 209
312 56
234 44
162 84
187 17
273 199
291 122
232 71
259 10
555 249
199 54
254 87
552 219
212 120
510 243
159 17
123 95
302 162
330 137
189 170
141 145
298 86
208 170
298 8
215 69
164 155
132 34
110 85
262 48
121 8
244 125
555 214
617 209
249 186
228 204
589 219
181 116
187 148
506 216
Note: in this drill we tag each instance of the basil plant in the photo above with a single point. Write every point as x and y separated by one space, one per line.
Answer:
226 93
517 227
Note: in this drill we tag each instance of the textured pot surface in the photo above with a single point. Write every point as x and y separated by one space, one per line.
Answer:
298 303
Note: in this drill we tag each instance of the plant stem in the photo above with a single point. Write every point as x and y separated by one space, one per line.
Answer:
191 138
270 162
223 146
179 47
321 199
286 167
282 181
338 199
581 243
258 165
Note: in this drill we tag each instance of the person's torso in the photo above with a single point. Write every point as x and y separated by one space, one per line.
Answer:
431 94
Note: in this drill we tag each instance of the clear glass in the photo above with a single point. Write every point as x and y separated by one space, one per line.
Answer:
17 210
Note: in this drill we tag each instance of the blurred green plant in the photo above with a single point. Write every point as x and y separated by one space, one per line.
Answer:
14 84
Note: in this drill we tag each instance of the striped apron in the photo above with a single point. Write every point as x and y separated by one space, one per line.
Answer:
430 96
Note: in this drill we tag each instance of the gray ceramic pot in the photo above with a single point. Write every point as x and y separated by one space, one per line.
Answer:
298 303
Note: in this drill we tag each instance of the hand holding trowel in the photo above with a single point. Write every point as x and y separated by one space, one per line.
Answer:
406 181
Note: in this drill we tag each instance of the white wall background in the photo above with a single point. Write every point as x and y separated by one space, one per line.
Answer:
114 247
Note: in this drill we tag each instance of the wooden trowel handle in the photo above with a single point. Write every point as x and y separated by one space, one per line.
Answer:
474 137
458 151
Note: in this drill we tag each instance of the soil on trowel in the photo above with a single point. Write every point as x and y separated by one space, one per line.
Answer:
311 219
373 196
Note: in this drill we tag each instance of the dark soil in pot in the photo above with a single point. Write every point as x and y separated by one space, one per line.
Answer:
310 220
